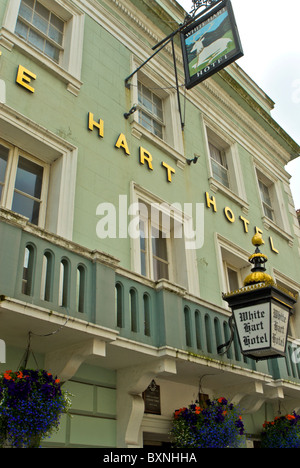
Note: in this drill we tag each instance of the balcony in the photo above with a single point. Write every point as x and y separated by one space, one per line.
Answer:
54 288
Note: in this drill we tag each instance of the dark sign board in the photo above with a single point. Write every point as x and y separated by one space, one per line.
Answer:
152 398
210 44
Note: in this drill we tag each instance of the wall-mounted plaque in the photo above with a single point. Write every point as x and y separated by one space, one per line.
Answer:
152 398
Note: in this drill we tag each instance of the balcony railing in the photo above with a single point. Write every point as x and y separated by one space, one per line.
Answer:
46 271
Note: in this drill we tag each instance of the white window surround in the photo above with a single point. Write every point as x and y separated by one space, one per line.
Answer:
172 142
69 69
10 179
238 277
230 255
236 190
281 223
58 154
182 261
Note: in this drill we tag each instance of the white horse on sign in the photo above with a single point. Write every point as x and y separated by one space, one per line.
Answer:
209 53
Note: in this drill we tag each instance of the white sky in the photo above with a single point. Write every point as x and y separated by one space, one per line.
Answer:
270 36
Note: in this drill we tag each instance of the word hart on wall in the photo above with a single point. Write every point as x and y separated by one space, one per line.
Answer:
25 79
144 155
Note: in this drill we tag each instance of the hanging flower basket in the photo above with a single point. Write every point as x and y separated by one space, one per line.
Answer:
31 403
283 432
215 424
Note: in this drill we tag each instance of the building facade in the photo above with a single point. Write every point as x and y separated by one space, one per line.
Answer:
123 220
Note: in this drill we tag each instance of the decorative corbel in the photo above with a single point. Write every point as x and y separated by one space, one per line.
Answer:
131 383
65 362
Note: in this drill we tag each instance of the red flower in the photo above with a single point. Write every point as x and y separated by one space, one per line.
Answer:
178 412
222 400
290 416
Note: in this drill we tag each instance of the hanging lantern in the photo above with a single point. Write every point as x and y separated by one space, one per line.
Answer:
261 311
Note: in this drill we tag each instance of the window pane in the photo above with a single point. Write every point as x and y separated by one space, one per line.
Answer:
218 155
55 35
152 117
3 163
157 106
160 256
29 3
157 129
26 10
159 248
233 279
42 11
40 23
220 173
51 51
29 178
36 40
146 121
27 207
266 200
160 270
145 98
265 195
143 264
22 30
268 212
57 23
142 236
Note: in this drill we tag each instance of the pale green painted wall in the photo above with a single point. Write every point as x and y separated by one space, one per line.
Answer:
105 172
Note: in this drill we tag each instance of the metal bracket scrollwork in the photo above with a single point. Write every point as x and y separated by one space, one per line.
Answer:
229 342
197 4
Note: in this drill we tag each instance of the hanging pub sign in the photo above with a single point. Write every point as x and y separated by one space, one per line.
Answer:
261 311
262 328
210 44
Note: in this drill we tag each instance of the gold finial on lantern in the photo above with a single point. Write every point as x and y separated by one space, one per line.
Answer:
258 259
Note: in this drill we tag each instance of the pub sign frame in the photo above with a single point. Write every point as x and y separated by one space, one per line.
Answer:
261 315
210 44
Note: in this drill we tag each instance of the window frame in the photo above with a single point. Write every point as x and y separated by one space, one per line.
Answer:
234 257
69 68
223 164
266 205
228 147
10 179
150 257
182 266
45 36
61 158
280 224
152 116
172 141
228 266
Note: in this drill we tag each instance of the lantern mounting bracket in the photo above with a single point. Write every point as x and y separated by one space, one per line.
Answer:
229 342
